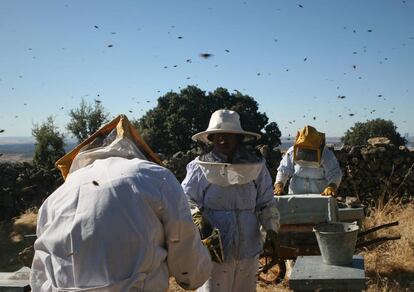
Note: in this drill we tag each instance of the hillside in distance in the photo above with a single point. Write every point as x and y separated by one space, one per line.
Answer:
22 148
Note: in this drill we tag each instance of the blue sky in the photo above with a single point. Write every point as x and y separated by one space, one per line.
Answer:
295 61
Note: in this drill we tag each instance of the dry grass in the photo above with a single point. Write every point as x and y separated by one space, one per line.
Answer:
12 240
390 266
23 225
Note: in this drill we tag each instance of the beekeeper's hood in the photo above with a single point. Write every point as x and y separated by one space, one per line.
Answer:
118 138
308 147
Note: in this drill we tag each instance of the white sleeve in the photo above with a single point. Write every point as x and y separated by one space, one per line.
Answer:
281 178
188 260
286 167
266 209
333 172
194 186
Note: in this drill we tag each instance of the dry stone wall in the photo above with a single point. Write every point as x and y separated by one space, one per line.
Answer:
23 186
378 170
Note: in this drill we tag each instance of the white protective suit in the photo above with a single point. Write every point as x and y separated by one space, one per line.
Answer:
238 208
118 224
309 180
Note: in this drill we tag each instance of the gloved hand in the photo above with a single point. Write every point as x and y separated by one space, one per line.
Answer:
330 190
214 246
271 244
278 190
202 224
209 236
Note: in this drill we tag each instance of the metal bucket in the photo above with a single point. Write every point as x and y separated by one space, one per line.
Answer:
337 242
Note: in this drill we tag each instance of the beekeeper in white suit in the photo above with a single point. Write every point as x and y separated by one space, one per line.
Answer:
118 223
232 190
311 167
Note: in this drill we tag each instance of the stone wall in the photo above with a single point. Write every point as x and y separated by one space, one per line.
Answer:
379 170
23 186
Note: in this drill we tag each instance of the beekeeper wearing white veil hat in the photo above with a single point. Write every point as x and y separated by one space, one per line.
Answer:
230 190
118 223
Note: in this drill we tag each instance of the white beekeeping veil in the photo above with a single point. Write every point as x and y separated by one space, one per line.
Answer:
225 174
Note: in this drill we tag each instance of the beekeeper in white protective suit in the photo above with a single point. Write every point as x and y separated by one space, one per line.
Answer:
230 189
311 167
118 223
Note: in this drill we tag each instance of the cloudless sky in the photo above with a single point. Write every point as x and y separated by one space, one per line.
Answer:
293 57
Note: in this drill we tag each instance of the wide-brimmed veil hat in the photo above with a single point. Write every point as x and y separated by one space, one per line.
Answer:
225 121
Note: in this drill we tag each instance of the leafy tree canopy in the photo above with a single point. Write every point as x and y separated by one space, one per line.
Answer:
169 126
361 132
86 119
49 144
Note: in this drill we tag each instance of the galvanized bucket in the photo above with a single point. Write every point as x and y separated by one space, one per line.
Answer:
337 242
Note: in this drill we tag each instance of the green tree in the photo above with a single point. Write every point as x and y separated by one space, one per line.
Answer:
361 132
86 119
272 135
49 145
168 127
